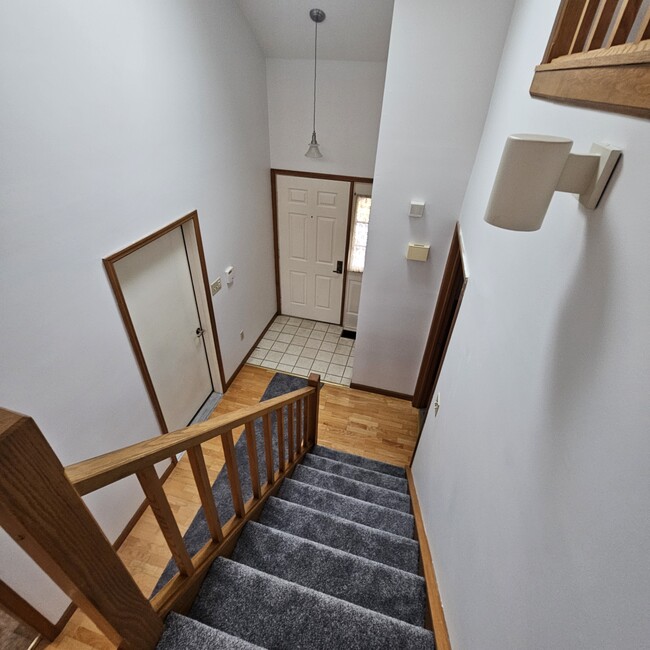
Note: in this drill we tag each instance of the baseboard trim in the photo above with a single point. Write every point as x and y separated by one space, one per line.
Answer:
245 359
381 391
72 608
435 613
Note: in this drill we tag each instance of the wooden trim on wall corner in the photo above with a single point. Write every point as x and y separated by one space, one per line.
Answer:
381 391
16 606
435 613
248 354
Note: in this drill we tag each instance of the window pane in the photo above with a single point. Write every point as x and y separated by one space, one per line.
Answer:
359 234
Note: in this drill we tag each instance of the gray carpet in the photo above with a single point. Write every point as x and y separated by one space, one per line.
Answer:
352 488
208 406
275 614
330 564
360 581
378 545
369 514
368 476
359 461
198 533
183 633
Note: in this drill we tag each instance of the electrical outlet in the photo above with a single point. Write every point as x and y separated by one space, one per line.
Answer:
216 286
241 335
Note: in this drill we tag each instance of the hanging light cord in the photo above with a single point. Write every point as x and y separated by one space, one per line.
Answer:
315 50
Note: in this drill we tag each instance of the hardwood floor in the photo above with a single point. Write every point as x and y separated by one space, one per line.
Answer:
375 426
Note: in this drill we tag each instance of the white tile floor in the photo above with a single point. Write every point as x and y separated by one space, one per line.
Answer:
303 346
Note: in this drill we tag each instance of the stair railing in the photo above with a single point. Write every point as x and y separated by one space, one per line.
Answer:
42 509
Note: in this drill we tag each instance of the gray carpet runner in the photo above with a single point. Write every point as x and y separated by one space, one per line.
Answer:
330 564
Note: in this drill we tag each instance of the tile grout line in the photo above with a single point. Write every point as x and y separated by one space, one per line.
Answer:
305 345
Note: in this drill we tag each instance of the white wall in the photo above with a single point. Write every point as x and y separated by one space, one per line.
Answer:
438 87
117 118
347 114
534 478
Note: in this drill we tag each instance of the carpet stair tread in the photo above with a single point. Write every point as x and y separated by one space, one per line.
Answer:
340 505
183 632
269 611
359 461
349 577
369 476
352 488
342 534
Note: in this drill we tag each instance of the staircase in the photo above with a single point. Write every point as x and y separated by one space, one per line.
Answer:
330 563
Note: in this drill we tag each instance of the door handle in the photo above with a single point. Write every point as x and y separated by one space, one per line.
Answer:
339 267
199 332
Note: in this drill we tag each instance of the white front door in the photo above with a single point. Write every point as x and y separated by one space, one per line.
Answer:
157 287
312 228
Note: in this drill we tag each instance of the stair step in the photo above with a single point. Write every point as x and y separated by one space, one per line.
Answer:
359 461
369 476
352 488
183 632
342 534
272 612
355 579
369 514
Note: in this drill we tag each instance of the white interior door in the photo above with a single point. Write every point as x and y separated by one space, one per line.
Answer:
312 227
157 287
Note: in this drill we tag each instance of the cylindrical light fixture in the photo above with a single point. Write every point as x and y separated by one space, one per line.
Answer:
528 175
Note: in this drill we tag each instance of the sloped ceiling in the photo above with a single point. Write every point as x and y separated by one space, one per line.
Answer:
354 30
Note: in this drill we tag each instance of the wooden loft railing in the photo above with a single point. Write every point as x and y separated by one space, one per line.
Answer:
598 55
42 509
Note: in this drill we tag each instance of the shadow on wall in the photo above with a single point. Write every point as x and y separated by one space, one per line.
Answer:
581 326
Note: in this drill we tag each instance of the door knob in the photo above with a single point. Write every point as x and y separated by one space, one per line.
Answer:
199 332
339 267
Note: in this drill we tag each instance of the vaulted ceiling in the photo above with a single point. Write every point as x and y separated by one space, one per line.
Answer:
354 30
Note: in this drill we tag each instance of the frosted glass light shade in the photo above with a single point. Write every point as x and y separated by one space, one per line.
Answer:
313 151
528 175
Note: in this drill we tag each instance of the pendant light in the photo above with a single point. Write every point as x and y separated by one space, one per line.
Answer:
318 16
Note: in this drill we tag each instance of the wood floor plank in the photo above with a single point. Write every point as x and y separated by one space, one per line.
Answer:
367 424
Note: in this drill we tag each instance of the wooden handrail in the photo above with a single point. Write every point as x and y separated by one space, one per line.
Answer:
90 475
47 518
42 509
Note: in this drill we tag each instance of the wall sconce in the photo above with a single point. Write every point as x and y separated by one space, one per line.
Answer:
533 167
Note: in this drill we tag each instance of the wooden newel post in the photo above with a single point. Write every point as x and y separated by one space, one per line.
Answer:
314 405
47 518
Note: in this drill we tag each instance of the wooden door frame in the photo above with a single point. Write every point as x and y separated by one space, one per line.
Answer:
276 236
15 605
452 289
201 277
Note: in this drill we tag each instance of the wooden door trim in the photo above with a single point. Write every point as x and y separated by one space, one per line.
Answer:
346 255
109 266
15 605
276 234
455 272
